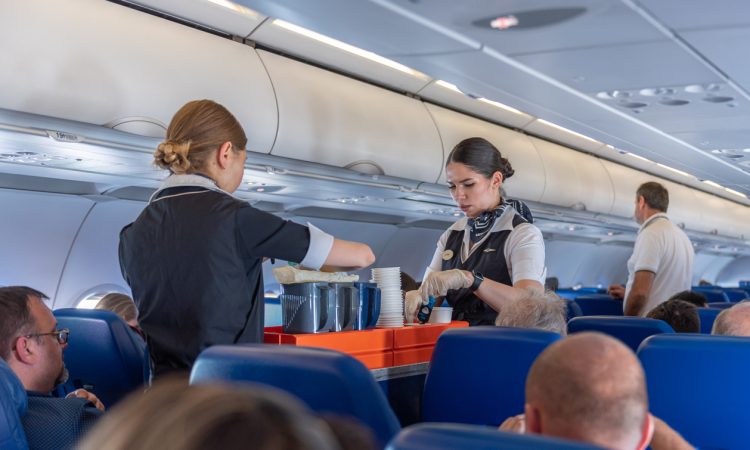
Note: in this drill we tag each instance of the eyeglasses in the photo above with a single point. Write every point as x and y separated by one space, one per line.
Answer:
60 335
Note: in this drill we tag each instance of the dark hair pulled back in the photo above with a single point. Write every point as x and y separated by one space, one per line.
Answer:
481 156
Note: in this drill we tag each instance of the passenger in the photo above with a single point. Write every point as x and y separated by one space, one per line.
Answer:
541 311
124 307
172 415
193 257
679 314
492 255
734 321
33 348
696 298
662 260
591 388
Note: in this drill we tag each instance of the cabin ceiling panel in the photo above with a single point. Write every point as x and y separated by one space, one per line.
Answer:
612 22
692 14
632 66
726 48
363 24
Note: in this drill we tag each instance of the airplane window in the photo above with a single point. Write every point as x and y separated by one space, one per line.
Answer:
91 297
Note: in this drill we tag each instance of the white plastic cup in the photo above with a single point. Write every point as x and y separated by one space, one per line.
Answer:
441 314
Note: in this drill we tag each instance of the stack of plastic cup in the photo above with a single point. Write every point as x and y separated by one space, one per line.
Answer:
391 297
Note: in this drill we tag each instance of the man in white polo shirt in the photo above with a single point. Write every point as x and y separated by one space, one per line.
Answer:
662 260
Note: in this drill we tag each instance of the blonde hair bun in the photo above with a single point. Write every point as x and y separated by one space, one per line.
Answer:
173 156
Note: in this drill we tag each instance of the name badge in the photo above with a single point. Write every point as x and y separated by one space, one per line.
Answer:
489 250
447 255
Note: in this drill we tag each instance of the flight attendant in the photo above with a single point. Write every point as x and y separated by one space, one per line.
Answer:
193 257
494 253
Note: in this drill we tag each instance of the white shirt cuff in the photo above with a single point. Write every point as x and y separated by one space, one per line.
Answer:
320 246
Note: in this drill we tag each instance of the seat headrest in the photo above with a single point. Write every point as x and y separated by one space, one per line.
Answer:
13 388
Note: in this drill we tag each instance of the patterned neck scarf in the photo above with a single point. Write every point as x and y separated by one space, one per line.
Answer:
481 225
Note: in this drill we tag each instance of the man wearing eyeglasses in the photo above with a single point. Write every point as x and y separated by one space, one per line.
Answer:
32 345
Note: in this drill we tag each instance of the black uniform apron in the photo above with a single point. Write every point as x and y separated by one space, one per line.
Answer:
487 258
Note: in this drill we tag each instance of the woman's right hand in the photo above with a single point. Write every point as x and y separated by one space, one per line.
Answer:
437 284
412 302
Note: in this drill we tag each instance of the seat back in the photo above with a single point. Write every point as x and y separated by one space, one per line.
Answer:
103 354
630 330
13 403
599 305
720 305
698 385
448 436
736 294
707 315
573 309
571 293
712 293
326 380
478 375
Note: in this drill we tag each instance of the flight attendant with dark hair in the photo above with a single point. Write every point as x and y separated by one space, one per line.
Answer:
493 254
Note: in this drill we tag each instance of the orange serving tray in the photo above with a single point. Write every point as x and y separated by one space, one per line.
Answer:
414 344
373 348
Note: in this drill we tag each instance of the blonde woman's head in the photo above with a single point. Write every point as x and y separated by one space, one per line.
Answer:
175 416
120 304
204 137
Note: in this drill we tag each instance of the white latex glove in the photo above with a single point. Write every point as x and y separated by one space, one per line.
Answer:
412 302
438 284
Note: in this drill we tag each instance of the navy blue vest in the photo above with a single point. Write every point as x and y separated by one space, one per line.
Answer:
488 258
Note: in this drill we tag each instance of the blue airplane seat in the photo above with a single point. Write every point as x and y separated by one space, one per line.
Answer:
736 295
478 375
720 305
573 309
326 380
13 404
712 293
103 355
571 294
599 305
707 316
450 436
698 385
630 330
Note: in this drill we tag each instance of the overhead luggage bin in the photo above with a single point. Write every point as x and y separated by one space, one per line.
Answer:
101 72
574 179
719 216
529 179
332 119
625 182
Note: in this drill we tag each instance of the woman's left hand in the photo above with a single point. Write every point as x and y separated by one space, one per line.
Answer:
438 284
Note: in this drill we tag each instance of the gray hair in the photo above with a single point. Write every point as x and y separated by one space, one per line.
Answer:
545 311
734 321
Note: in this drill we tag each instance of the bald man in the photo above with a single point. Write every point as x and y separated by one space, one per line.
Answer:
591 388
734 321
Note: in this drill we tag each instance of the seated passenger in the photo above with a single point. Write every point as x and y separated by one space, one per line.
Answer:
123 306
696 298
591 388
734 321
679 314
33 347
174 415
543 311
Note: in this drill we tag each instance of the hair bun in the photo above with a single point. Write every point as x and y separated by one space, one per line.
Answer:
173 156
507 169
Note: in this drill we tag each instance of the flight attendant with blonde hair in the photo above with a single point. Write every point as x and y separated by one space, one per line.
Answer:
193 257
